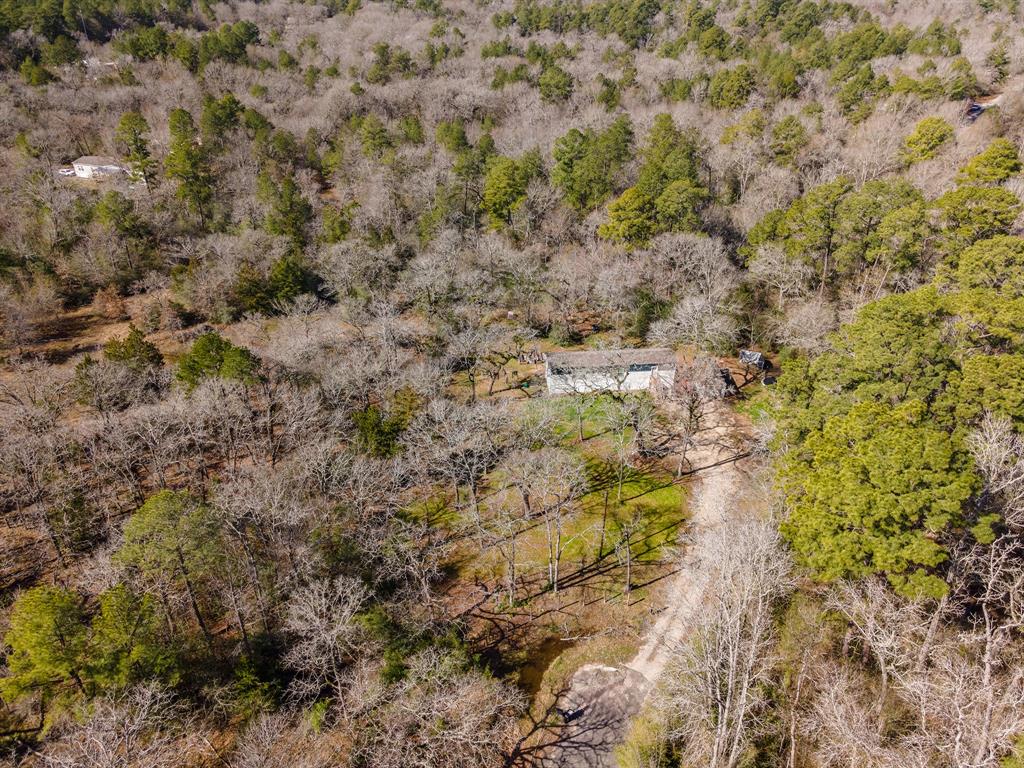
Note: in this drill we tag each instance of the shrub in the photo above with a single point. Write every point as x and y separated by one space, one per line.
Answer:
133 351
788 137
555 84
35 74
924 141
676 89
63 50
213 356
998 162
144 44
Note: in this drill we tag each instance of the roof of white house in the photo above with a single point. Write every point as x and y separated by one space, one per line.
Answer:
612 358
98 161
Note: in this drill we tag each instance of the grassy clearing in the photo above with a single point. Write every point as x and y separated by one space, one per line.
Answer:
572 414
602 649
434 511
649 514
641 505
609 649
647 501
569 413
545 670
646 745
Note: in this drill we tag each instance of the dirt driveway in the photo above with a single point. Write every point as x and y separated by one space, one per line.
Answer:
602 700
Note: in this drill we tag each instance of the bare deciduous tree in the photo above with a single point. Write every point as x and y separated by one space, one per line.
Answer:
441 716
25 315
321 618
699 321
714 687
787 276
144 727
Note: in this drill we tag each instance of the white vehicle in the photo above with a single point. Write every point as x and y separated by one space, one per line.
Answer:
66 171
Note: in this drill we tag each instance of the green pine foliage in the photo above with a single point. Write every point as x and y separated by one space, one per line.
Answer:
175 540
998 162
668 195
35 74
730 88
631 20
133 351
505 184
188 164
789 136
387 63
555 84
48 639
927 138
878 477
839 228
144 43
66 650
868 491
289 212
587 163
212 356
968 214
133 134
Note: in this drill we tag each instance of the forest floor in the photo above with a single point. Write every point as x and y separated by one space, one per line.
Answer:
602 699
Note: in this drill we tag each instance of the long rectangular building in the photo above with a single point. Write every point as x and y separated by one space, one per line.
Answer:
616 370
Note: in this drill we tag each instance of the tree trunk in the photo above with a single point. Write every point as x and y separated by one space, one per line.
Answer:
255 579
171 625
240 621
510 571
985 734
551 551
629 569
622 473
558 550
929 638
604 526
793 715
192 600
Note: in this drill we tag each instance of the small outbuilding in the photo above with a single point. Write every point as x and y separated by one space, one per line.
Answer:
96 166
616 370
756 360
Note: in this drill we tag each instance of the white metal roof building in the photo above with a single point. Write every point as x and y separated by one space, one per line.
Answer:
94 166
618 370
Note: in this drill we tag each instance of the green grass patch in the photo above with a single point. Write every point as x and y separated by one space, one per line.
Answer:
433 510
646 744
605 649
651 508
757 405
567 411
648 502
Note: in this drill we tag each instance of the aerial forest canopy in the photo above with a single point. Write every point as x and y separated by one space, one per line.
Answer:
511 384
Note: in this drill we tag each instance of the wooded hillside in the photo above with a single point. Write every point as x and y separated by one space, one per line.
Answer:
280 480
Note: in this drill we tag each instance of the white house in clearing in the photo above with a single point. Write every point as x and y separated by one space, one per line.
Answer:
618 370
95 166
